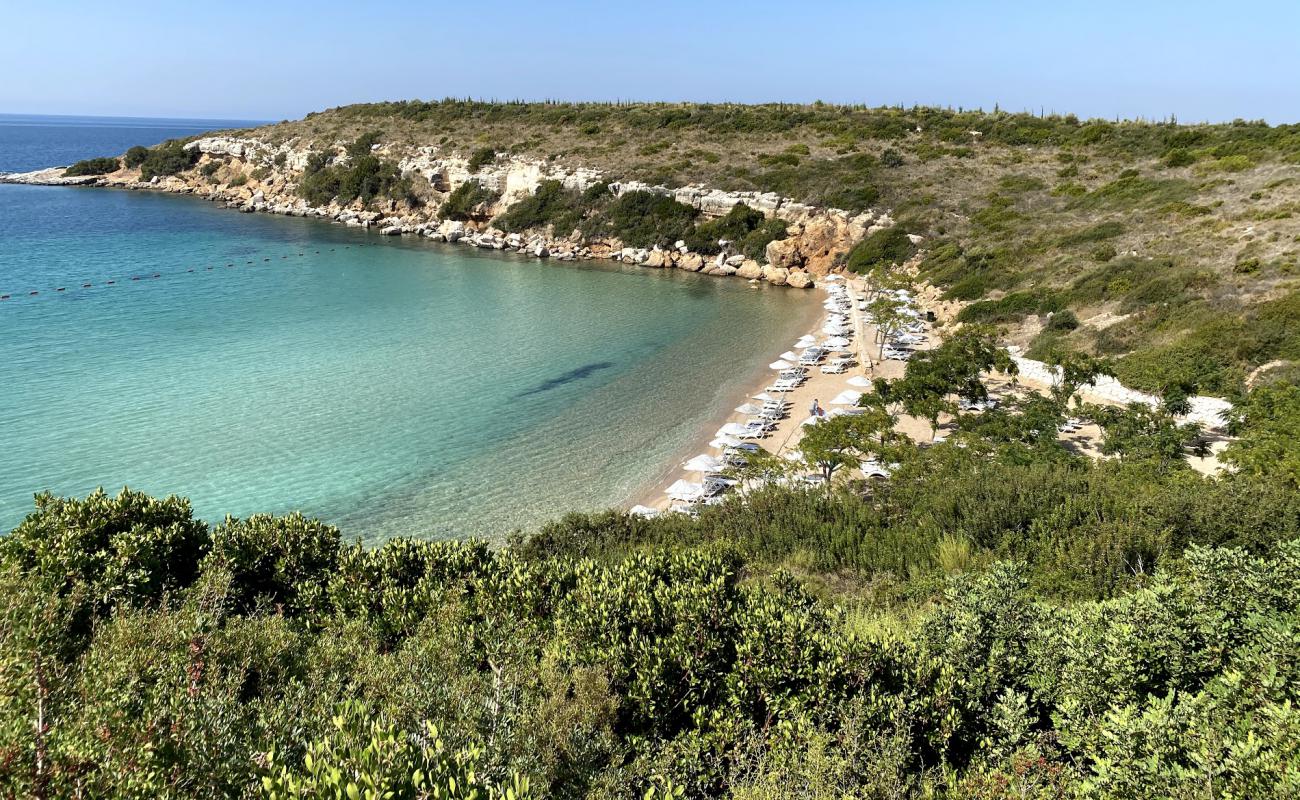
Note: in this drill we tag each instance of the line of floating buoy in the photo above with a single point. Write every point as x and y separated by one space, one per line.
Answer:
137 278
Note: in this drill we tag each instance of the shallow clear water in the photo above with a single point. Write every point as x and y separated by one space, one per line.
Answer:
389 386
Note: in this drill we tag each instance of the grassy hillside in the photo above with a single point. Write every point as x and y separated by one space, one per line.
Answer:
1175 246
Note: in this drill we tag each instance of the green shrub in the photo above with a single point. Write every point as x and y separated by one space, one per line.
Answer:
1063 320
885 246
550 204
1095 233
168 158
1178 157
481 158
135 156
746 228
891 158
1011 308
738 223
209 169
463 202
362 145
239 180
363 177
643 219
92 166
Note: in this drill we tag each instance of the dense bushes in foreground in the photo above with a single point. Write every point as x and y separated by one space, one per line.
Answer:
985 626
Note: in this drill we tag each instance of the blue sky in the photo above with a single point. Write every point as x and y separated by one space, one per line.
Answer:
279 59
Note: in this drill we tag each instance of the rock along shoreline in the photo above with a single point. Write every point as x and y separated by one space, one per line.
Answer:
251 175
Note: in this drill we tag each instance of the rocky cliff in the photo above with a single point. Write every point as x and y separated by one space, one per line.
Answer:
251 175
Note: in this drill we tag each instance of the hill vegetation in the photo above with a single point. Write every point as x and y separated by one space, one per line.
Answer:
999 619
1175 247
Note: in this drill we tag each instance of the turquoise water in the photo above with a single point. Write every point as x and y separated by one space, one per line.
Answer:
386 385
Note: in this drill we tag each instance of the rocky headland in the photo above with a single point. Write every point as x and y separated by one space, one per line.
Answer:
252 175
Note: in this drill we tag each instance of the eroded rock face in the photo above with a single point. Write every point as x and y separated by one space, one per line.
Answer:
817 238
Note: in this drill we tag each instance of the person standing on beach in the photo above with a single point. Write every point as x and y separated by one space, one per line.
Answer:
816 410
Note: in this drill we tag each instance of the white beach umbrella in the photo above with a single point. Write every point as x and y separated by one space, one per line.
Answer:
764 396
703 463
779 364
860 382
789 355
748 408
644 511
731 429
836 342
723 442
805 340
685 490
848 397
811 421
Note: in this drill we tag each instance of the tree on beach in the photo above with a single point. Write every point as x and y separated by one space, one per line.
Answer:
1142 433
1071 371
955 367
888 317
846 441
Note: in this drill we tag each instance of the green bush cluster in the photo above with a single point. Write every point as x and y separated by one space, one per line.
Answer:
92 166
363 177
1013 307
552 204
943 127
168 158
746 228
882 248
135 156
481 158
609 655
642 219
462 203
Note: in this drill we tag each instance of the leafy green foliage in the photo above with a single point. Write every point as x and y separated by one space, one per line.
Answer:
643 219
551 204
363 177
366 757
1012 307
1267 427
617 656
885 246
92 166
481 158
135 156
746 228
464 202
168 158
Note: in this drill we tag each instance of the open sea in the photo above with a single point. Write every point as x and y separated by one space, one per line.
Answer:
257 363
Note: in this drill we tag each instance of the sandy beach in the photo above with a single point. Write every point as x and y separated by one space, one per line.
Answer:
819 386
822 388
